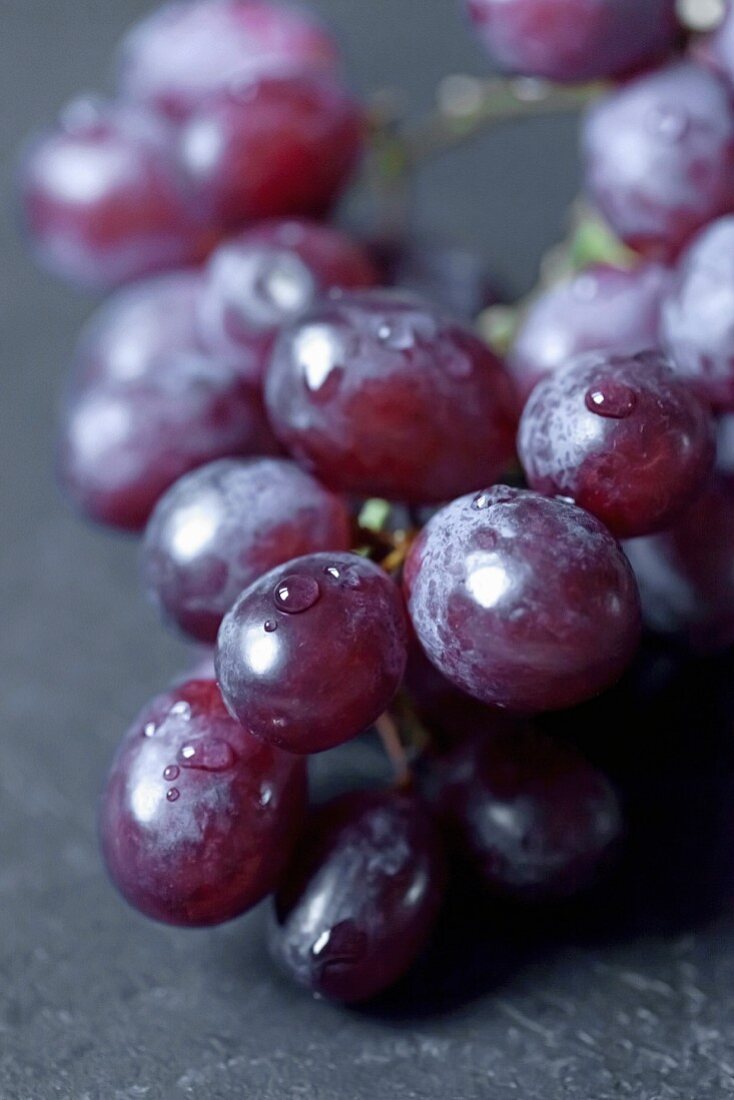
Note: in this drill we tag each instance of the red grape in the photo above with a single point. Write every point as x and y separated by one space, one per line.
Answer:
521 601
182 53
102 199
198 818
222 526
379 394
619 435
313 652
359 901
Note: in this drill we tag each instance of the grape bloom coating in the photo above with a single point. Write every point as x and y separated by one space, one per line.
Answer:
523 602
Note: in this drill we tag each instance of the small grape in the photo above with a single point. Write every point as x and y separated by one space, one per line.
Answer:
621 436
313 652
101 198
360 899
521 601
535 820
575 40
659 157
269 147
181 54
603 308
198 819
379 394
222 526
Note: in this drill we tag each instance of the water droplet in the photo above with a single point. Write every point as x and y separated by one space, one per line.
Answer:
319 351
611 399
296 593
270 625
171 772
181 710
480 502
214 755
150 729
173 794
332 571
669 122
266 795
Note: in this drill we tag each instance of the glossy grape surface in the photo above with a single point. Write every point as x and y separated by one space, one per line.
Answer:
360 899
198 818
379 394
697 327
523 602
620 436
122 444
686 574
263 278
101 197
574 40
313 652
183 53
659 157
273 146
603 308
222 526
533 817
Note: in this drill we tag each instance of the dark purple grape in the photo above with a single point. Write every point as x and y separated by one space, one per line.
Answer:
686 574
454 277
122 444
523 602
221 527
575 40
269 147
266 276
659 156
360 899
313 652
603 308
697 328
379 394
181 54
198 819
101 198
534 819
619 435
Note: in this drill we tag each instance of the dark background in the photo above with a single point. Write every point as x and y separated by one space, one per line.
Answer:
99 1004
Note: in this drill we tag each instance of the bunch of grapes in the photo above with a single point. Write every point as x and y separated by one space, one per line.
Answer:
326 475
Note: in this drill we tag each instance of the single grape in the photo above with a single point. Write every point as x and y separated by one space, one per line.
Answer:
454 277
198 819
603 308
122 444
619 435
379 394
360 899
659 157
181 54
575 40
222 526
267 275
534 819
268 147
686 574
101 197
697 328
313 652
523 602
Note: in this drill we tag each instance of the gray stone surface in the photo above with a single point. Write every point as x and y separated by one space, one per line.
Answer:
98 1004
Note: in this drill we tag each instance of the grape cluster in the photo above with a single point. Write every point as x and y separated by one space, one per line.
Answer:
325 473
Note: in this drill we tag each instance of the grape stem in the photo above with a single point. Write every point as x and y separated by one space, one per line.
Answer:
389 733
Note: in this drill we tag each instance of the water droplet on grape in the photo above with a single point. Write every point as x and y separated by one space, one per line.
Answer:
296 593
270 625
215 755
266 795
181 710
480 502
332 571
150 729
171 772
173 794
611 399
